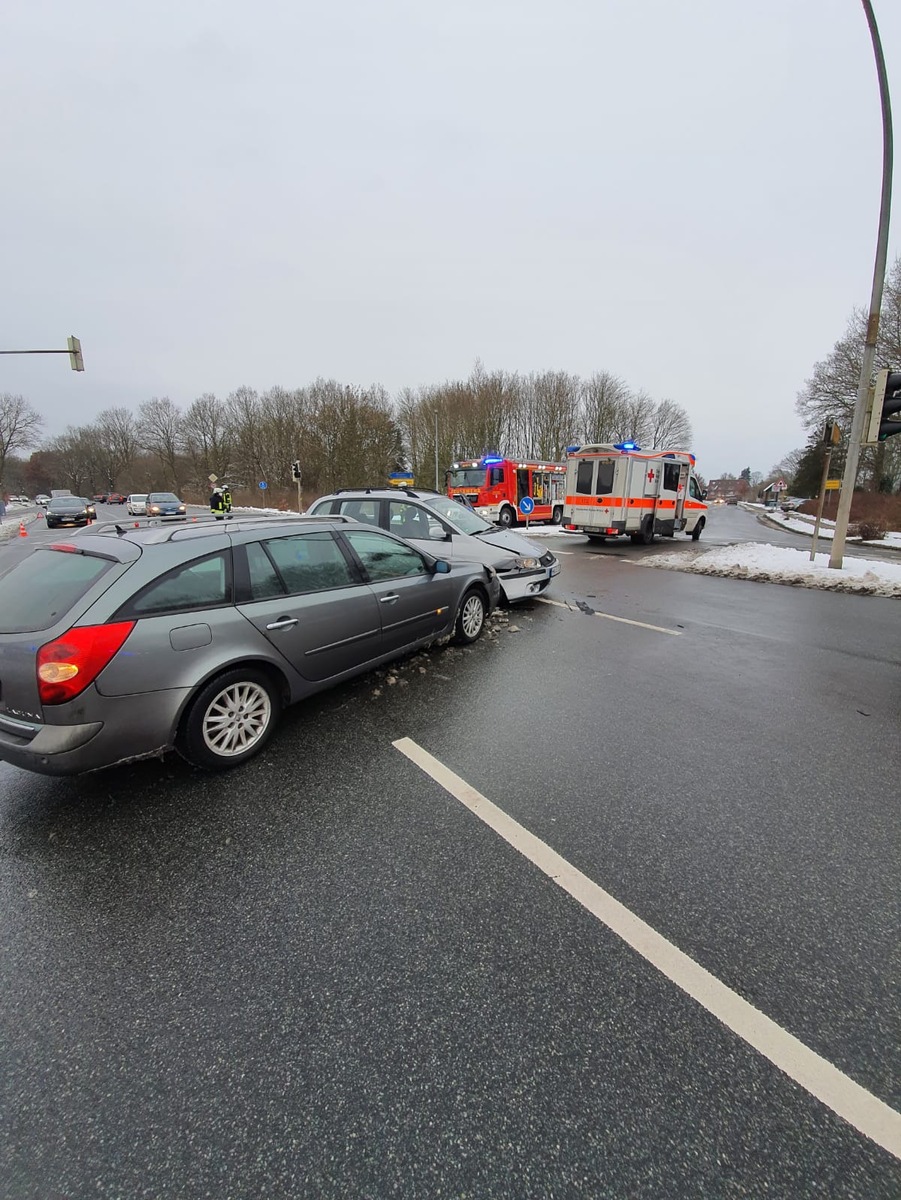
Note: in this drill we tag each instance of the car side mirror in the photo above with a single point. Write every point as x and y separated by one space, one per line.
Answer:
441 567
438 534
704 495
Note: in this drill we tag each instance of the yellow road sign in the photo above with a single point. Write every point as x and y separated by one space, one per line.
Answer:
833 484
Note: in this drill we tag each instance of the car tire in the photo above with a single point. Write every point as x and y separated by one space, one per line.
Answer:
506 517
696 532
216 732
470 617
557 516
646 535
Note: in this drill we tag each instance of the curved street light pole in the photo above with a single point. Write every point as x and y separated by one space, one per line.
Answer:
849 478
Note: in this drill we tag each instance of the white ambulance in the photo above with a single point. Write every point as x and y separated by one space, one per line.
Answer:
619 489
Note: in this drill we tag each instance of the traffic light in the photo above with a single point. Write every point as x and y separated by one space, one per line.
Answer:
296 472
886 403
76 362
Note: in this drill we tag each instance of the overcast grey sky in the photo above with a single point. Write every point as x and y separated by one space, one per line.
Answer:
213 193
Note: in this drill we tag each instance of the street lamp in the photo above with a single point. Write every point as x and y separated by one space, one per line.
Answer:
869 349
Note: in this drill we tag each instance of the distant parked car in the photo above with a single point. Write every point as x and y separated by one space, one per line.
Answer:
122 643
101 497
137 504
42 499
67 510
115 498
166 505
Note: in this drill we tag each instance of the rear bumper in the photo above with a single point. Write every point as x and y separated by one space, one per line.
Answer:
127 728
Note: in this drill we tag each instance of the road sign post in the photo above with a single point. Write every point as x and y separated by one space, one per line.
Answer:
824 487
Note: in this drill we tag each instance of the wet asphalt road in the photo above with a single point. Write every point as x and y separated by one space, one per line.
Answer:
321 976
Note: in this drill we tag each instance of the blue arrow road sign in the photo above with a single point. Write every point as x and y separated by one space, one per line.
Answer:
526 505
263 485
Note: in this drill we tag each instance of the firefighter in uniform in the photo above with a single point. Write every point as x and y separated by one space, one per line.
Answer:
226 499
217 504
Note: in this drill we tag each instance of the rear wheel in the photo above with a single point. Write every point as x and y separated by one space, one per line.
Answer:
646 536
505 517
231 719
470 617
696 532
557 516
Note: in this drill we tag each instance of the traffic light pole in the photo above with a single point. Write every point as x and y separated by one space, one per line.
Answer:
849 478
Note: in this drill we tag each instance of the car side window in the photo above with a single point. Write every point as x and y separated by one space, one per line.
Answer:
383 557
264 579
693 490
204 583
310 562
366 511
407 520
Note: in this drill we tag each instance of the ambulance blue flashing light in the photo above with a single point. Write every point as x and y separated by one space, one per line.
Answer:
573 449
627 446
490 458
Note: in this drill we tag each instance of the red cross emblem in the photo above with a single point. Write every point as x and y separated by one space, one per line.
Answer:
651 475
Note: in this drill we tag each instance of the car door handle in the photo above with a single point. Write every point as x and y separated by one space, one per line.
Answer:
283 623
389 599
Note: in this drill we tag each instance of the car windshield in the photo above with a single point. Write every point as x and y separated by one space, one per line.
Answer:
64 502
136 497
463 518
163 498
466 478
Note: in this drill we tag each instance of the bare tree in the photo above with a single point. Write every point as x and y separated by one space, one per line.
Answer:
19 426
206 438
116 434
670 426
160 429
604 399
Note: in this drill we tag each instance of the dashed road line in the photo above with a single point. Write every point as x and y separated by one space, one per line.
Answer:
867 1113
611 617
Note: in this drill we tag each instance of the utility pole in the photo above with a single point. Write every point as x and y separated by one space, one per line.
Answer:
297 476
437 488
849 479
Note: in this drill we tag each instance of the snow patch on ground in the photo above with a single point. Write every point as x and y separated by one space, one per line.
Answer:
800 523
781 564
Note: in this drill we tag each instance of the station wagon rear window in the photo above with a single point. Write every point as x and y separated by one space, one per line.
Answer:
41 589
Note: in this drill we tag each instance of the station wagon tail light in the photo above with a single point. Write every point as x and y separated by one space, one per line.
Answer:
69 664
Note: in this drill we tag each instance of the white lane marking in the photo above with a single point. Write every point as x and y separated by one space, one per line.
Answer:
611 617
853 1103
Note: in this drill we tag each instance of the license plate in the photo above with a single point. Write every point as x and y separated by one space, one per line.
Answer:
555 570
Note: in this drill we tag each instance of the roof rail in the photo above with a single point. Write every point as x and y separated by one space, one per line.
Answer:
386 487
235 521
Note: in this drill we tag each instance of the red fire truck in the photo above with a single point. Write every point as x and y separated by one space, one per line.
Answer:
494 487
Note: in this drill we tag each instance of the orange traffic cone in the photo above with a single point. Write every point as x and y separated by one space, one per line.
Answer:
23 532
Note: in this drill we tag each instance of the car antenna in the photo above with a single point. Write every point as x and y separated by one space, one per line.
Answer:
120 532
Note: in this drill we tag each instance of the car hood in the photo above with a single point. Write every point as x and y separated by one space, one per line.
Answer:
509 540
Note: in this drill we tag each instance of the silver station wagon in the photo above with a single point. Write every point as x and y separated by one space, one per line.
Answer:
120 643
